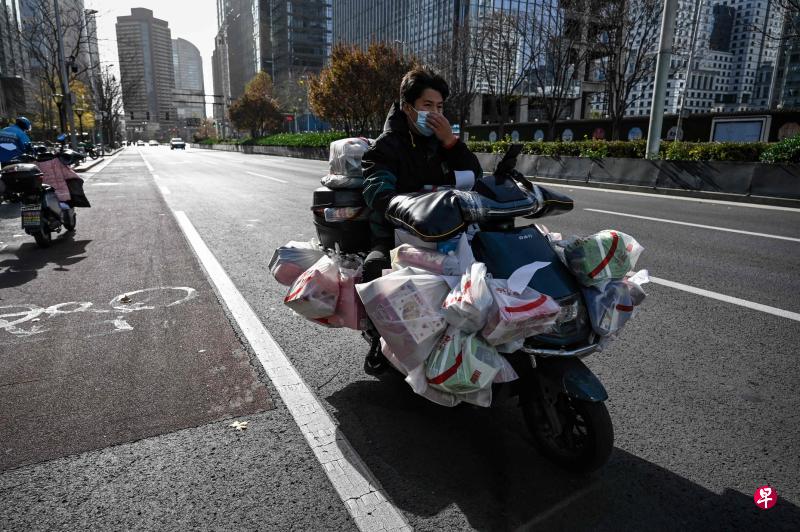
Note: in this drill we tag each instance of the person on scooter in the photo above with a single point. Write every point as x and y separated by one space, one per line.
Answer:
14 139
417 148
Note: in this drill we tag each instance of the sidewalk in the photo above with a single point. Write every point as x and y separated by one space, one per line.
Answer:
88 163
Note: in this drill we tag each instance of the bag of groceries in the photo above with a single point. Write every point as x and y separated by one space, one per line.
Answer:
350 312
290 260
613 304
467 305
601 257
345 156
462 363
316 292
404 307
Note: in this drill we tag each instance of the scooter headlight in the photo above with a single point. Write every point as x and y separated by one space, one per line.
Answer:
572 323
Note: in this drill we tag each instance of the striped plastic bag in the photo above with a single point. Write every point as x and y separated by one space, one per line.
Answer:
462 363
605 256
611 306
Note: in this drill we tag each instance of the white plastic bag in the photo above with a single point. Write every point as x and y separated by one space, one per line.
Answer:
337 182
426 259
345 156
462 363
289 261
519 311
467 305
404 307
613 304
316 292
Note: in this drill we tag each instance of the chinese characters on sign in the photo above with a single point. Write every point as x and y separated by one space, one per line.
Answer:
765 497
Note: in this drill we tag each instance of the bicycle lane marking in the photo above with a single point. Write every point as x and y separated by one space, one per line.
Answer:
362 494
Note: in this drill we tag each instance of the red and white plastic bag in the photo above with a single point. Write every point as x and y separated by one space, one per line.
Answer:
426 259
467 305
462 363
404 307
519 311
350 312
315 293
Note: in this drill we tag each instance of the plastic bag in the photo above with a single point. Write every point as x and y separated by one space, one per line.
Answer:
518 310
350 312
462 363
338 182
404 307
426 259
467 305
605 256
289 261
316 292
611 306
345 156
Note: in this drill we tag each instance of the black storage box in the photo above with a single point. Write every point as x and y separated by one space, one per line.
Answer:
23 178
352 236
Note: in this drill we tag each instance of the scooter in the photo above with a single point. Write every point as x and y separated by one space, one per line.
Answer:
562 401
41 212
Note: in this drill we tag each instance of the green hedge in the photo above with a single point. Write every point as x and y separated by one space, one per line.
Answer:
672 151
312 139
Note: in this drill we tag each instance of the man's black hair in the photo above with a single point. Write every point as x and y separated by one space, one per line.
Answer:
416 81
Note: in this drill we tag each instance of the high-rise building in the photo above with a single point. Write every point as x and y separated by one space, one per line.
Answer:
300 37
144 44
12 90
785 89
733 57
189 88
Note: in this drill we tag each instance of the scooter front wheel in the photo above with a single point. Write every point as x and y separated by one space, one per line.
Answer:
70 221
585 439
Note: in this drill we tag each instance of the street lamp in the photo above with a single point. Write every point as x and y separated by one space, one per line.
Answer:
79 111
58 98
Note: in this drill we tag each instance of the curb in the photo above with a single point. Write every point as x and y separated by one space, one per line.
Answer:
97 161
738 198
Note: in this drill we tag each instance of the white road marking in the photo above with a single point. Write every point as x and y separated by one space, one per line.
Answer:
146 163
663 220
164 190
357 487
680 198
104 184
268 177
728 299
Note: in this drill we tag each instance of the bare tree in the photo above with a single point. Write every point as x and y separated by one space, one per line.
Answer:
505 60
628 34
39 39
109 104
557 38
458 60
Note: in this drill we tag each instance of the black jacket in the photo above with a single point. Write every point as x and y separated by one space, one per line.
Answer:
402 161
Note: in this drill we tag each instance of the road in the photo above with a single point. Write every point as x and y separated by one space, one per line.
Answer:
117 415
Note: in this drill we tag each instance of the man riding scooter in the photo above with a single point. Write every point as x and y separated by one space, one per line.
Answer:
417 150
14 140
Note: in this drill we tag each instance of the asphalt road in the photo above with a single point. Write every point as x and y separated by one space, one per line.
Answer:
703 392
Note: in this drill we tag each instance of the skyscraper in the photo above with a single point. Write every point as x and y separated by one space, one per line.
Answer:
189 89
144 44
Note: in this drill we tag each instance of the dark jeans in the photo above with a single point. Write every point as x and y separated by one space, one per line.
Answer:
377 261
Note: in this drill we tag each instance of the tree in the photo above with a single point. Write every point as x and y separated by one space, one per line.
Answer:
557 38
628 35
356 91
109 103
206 130
39 39
256 110
458 60
505 59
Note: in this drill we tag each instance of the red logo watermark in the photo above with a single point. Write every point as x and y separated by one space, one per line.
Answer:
765 497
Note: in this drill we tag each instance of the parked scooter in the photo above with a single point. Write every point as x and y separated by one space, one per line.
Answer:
561 399
41 212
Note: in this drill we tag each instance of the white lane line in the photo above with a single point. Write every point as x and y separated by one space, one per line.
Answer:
667 196
728 299
269 177
663 220
164 190
146 163
357 487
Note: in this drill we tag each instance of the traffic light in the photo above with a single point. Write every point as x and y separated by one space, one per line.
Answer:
148 115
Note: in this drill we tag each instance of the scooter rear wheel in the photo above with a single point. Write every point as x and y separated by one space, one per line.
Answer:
43 236
586 438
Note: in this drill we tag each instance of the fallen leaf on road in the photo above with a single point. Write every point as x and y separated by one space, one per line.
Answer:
125 300
239 425
202 351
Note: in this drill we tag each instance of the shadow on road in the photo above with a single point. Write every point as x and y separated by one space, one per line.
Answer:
429 458
9 210
30 258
